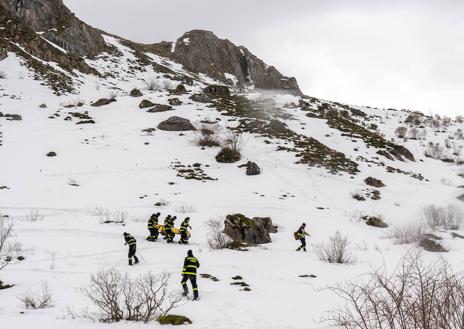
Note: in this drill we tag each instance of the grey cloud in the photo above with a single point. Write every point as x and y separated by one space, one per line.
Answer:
386 53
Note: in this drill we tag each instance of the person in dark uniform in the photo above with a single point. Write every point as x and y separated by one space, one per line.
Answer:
169 233
153 227
302 234
189 272
167 220
130 240
184 231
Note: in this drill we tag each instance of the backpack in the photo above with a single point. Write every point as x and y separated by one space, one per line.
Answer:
296 235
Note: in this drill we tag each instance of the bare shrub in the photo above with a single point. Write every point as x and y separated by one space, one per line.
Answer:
459 133
335 250
153 84
115 216
412 232
449 217
459 119
33 216
448 143
38 301
8 250
185 209
414 296
401 131
119 297
207 136
358 195
235 141
434 151
217 239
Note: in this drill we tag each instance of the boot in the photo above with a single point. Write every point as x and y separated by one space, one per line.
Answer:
195 296
304 249
130 262
136 260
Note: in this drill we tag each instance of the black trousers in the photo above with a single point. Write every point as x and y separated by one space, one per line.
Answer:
184 236
303 244
153 233
193 280
132 251
170 235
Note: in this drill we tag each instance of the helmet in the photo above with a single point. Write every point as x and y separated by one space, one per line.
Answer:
304 224
125 233
187 219
157 214
190 253
175 217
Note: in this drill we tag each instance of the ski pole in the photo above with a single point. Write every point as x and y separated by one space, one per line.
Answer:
138 253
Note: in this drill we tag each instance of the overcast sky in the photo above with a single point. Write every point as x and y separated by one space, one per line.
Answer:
403 54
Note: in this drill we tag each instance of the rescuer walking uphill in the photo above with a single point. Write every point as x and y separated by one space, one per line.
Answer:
184 231
168 226
130 240
301 235
189 272
153 227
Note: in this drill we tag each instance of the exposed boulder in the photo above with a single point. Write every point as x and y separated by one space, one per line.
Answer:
180 89
203 52
146 104
374 221
217 91
252 169
371 181
251 231
175 320
43 106
432 246
51 154
136 93
277 126
227 155
174 101
13 117
160 108
176 124
201 98
103 102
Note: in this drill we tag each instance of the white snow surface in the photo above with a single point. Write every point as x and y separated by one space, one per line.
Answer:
119 168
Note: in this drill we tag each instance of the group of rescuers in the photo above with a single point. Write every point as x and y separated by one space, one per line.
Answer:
191 263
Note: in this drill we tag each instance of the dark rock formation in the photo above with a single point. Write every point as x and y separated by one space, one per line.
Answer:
174 101
12 117
252 169
371 181
217 91
58 25
227 155
176 124
277 126
432 246
51 154
252 231
146 104
103 102
200 98
160 108
203 52
136 93
375 221
180 89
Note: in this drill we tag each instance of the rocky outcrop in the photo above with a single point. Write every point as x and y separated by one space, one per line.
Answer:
146 104
254 230
136 93
176 124
203 52
103 102
217 91
371 181
228 155
58 25
252 169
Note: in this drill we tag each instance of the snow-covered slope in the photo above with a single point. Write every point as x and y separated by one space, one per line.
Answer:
113 167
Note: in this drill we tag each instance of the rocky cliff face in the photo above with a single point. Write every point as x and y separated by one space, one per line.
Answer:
58 25
203 52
